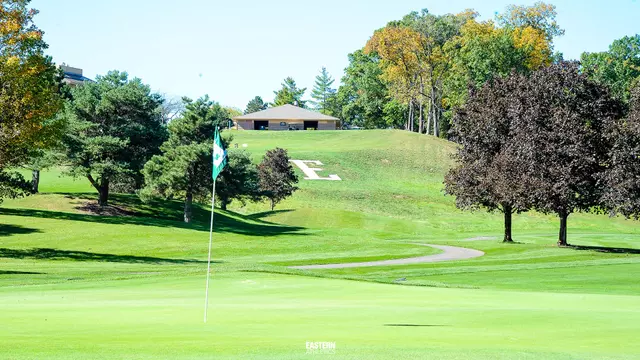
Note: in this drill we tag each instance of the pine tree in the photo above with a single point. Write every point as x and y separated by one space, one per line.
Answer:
289 94
183 170
322 91
114 129
256 104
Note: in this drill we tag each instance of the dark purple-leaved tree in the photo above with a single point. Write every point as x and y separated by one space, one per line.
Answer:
621 181
277 177
563 149
487 174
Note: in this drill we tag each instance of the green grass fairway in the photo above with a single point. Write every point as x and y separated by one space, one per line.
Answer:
74 285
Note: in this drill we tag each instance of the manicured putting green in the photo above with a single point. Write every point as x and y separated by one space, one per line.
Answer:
273 316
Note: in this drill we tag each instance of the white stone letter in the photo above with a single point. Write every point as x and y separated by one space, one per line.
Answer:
311 172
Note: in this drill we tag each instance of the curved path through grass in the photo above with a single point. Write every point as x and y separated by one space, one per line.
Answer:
448 253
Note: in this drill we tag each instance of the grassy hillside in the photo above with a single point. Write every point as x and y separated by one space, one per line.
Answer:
139 273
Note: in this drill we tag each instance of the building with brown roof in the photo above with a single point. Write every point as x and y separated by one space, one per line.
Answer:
286 117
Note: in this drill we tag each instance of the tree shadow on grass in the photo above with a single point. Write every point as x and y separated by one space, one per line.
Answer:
163 214
8 230
9 272
261 215
55 254
612 250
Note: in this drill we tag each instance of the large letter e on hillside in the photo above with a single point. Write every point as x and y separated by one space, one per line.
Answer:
311 172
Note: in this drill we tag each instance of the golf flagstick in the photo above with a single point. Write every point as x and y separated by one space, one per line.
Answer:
218 161
206 292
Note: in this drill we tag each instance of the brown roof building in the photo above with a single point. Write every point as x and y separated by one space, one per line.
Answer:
286 117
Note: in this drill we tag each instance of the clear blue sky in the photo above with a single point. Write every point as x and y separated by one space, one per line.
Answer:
235 50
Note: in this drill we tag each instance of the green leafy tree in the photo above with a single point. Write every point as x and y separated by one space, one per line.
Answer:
254 105
277 178
395 114
289 94
115 127
484 51
435 33
363 94
414 62
29 95
184 169
231 113
238 180
618 68
322 92
51 154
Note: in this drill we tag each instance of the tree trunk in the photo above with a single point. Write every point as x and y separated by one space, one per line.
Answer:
432 121
434 111
273 204
421 126
103 189
410 115
562 237
508 213
188 201
35 180
103 192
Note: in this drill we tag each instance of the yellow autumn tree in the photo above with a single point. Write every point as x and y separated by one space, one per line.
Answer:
539 16
399 52
29 95
535 44
484 50
414 62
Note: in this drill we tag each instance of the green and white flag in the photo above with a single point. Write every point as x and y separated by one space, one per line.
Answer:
219 155
219 161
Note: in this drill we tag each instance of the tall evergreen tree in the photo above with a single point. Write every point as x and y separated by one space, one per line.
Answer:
323 92
115 127
184 168
289 94
254 105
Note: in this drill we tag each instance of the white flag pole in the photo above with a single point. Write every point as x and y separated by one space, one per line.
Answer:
206 293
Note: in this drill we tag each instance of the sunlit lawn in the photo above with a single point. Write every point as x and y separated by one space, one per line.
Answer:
74 285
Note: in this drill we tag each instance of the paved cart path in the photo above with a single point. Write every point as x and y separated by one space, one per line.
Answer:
449 253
